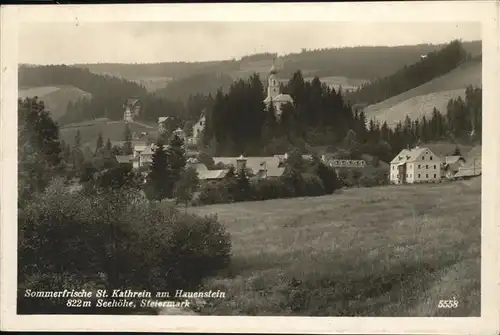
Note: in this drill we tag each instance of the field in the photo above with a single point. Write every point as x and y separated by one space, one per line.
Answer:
56 98
385 251
422 99
89 131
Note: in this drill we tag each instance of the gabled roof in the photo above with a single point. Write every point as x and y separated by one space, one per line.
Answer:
132 101
123 159
212 174
270 172
164 118
409 155
283 98
453 159
253 163
140 147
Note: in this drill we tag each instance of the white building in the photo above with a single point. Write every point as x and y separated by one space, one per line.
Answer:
417 165
162 123
198 128
132 109
273 93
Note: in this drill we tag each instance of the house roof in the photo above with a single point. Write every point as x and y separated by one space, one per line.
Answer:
198 166
123 159
468 172
211 174
270 172
132 101
140 147
409 155
164 118
345 162
253 163
283 98
452 159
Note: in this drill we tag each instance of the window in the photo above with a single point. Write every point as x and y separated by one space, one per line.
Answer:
427 152
434 175
419 167
434 167
426 176
419 175
430 158
423 158
427 166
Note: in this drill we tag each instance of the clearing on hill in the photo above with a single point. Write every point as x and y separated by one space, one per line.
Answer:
383 251
421 100
114 130
56 98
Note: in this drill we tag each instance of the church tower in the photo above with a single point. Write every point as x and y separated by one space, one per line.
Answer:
273 85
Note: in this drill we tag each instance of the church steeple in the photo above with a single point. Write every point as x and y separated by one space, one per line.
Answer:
273 87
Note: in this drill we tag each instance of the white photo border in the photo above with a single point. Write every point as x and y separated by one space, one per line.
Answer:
485 12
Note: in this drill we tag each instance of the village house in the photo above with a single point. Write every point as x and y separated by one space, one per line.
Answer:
163 122
451 165
198 128
132 109
262 167
417 165
123 159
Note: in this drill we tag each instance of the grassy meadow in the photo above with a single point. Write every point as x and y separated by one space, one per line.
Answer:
114 130
384 251
422 99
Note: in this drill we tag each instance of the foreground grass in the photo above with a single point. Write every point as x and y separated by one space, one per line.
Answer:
385 251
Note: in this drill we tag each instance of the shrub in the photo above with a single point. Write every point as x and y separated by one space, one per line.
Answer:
265 189
218 193
118 234
312 185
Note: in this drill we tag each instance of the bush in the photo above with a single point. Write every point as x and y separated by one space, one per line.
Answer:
219 193
312 185
265 189
112 240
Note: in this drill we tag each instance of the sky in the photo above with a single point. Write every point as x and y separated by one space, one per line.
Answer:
150 42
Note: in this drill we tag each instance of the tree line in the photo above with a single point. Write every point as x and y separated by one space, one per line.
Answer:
352 62
239 123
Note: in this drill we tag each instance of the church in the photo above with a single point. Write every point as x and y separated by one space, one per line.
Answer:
273 93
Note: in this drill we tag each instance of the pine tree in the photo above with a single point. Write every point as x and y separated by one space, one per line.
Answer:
109 146
176 158
78 139
159 184
127 146
99 143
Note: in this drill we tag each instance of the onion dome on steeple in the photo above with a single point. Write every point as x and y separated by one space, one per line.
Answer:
273 70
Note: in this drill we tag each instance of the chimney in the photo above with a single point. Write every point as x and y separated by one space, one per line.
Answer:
241 163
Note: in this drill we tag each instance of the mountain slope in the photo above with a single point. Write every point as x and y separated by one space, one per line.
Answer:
56 98
422 99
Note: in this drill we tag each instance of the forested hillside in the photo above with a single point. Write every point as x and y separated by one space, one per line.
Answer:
433 65
354 62
108 94
205 83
